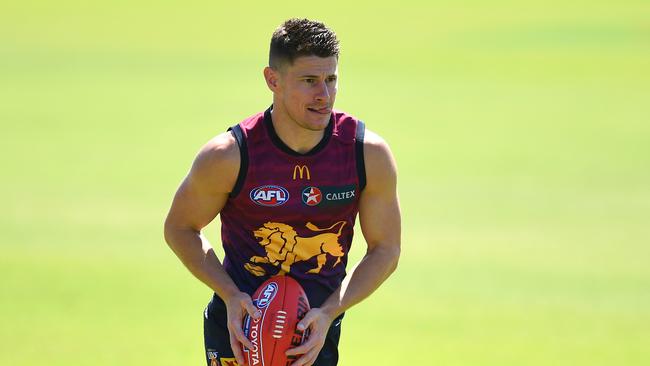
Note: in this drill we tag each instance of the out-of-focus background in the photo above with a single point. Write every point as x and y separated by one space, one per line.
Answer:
521 130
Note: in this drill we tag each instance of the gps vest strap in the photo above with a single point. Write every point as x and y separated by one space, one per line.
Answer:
243 154
361 165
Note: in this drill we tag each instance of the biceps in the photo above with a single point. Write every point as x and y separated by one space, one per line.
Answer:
194 207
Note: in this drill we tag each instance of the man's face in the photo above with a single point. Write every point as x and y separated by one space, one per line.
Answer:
306 91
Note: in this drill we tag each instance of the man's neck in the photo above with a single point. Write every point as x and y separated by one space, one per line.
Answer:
297 138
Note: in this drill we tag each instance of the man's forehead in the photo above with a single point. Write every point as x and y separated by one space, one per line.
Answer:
314 65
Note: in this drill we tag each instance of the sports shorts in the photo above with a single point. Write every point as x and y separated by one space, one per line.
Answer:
217 338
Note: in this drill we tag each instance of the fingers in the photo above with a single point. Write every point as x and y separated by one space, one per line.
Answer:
239 306
236 318
251 309
311 343
238 334
236 350
306 321
309 321
308 358
309 350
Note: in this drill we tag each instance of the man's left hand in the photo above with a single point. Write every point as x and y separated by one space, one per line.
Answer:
318 322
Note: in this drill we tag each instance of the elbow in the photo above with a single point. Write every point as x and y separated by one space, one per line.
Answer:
395 254
390 257
177 235
170 233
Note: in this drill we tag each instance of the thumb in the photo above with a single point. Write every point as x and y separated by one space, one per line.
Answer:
306 321
251 309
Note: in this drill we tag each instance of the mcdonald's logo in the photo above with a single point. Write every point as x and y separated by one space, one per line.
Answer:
301 171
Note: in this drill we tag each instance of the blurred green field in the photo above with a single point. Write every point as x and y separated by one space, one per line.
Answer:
520 129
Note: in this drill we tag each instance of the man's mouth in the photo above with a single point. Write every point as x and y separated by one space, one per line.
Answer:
324 110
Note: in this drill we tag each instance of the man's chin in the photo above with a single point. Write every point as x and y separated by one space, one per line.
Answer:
318 124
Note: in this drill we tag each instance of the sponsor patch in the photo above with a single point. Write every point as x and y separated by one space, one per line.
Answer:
229 361
301 171
331 195
267 295
212 357
311 196
269 195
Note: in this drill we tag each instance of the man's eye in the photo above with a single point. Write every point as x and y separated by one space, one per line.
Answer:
331 80
310 81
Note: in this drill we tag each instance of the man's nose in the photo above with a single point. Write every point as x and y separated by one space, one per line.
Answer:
322 92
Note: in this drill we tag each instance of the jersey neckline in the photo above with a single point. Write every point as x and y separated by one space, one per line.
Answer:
268 122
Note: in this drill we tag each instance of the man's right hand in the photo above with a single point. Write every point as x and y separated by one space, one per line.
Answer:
237 306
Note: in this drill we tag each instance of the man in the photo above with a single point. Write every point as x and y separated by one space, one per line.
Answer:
287 184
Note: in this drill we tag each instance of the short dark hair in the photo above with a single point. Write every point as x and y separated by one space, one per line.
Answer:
301 37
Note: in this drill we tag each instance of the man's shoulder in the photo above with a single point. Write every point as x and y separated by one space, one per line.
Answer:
345 126
250 122
220 148
223 149
374 144
379 161
340 115
217 163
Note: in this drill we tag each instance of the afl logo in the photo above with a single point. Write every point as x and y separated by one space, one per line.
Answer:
267 295
311 196
269 195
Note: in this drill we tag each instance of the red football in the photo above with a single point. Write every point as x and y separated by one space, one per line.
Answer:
283 304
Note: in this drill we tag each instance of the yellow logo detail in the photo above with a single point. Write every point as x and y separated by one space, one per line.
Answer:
212 356
284 247
301 170
228 361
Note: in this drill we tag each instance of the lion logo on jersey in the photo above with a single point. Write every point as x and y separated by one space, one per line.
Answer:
284 247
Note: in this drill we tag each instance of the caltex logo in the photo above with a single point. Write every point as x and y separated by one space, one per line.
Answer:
311 196
269 195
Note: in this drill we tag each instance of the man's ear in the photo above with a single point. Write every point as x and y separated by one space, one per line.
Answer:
272 77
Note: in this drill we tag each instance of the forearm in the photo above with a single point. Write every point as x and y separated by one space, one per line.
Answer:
196 253
375 267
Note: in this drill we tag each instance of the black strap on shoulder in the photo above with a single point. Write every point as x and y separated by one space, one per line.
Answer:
243 161
361 164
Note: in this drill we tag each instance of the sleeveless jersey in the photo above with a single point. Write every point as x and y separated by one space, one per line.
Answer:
292 213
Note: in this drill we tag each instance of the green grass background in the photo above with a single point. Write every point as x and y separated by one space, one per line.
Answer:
521 131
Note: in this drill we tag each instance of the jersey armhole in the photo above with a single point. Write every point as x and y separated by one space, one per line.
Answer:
237 132
361 165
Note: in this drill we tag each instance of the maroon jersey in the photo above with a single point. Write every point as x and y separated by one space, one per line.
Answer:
292 213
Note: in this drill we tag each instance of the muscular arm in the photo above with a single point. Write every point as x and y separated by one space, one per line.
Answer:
199 199
379 215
